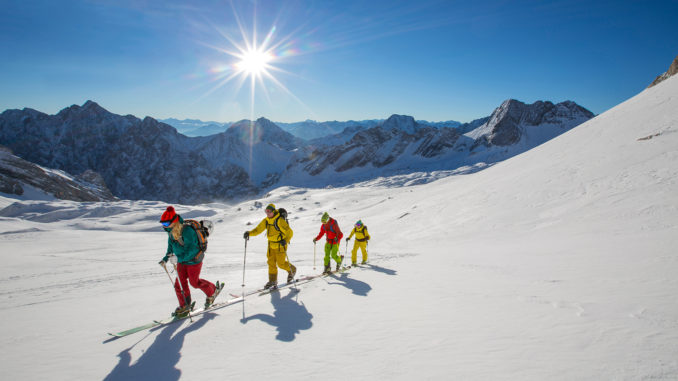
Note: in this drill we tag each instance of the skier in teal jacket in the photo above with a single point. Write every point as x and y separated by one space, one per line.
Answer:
182 248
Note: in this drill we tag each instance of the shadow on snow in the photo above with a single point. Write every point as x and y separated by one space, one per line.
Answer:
356 286
159 361
381 269
290 317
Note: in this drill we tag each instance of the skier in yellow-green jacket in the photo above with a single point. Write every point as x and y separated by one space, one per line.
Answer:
361 239
279 234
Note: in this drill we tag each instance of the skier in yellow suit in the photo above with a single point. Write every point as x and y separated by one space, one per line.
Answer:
279 234
361 238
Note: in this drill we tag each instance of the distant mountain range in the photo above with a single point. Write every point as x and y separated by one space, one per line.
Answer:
307 130
148 159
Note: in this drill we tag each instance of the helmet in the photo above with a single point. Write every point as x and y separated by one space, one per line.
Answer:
325 217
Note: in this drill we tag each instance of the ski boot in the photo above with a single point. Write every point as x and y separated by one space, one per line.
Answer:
182 312
291 273
327 269
272 282
354 264
341 259
363 262
210 299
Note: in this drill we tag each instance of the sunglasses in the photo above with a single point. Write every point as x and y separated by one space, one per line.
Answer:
166 223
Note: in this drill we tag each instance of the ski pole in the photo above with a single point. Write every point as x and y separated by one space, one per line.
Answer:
367 249
313 255
243 264
180 288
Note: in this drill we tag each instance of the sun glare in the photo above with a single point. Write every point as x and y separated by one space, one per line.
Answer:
254 62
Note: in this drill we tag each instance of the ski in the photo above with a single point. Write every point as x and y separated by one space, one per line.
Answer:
215 306
135 329
172 319
301 280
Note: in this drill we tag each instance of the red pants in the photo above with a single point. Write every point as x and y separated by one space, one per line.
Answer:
191 273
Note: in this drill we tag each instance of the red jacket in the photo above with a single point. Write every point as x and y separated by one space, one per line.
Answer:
331 230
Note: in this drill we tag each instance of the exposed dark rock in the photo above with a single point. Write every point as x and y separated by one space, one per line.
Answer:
673 69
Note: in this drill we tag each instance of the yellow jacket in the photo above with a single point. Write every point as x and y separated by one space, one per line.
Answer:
360 235
273 234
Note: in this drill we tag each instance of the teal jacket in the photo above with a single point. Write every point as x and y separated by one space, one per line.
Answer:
187 251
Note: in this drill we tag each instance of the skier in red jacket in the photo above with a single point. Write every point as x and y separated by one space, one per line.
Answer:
330 228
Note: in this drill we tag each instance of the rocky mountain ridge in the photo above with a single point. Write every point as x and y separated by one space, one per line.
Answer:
147 159
16 175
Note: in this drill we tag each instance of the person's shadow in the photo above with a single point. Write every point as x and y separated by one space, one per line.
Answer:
358 287
289 317
381 269
159 361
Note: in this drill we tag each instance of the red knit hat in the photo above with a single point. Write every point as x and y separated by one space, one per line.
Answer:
169 215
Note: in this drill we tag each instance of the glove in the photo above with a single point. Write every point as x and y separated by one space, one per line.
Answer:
163 260
314 240
173 259
282 242
246 235
347 239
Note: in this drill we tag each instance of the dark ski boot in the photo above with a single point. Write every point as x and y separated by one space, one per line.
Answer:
341 259
210 299
327 269
272 282
291 273
182 312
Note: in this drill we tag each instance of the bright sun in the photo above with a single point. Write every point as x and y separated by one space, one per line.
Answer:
254 62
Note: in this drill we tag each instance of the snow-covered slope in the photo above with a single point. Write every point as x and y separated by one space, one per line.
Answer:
557 264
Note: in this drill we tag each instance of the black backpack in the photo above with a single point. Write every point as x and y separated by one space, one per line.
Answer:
282 213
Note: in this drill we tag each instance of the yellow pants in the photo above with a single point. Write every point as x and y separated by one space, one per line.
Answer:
277 257
354 252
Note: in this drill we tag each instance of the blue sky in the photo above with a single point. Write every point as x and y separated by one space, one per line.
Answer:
331 60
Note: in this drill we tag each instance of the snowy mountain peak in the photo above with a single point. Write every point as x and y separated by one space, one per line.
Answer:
263 130
403 123
88 111
505 126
